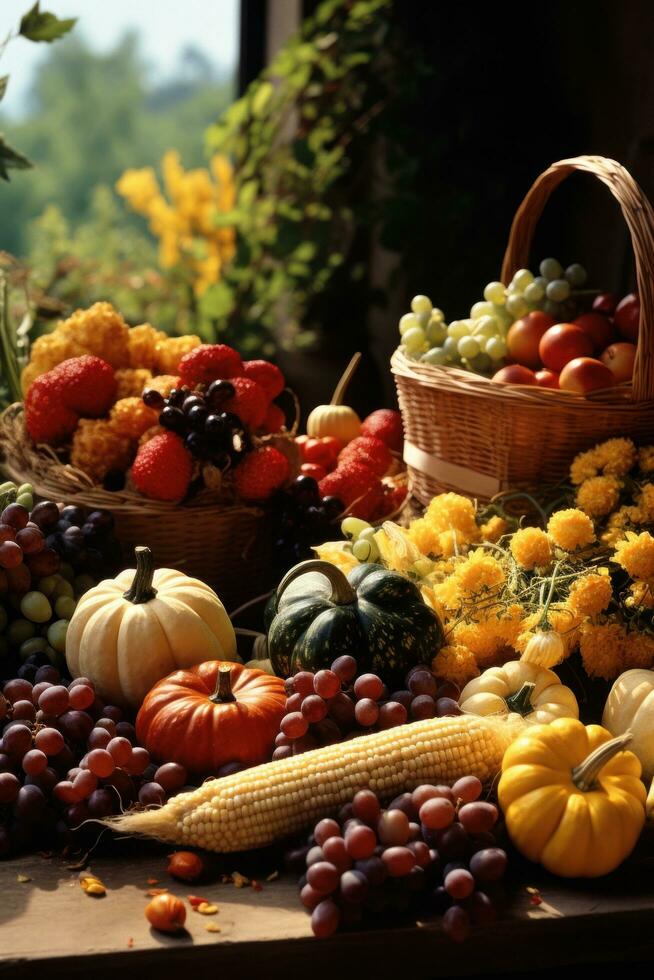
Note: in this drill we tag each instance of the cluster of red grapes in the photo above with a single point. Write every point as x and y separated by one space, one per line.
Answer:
66 757
334 705
198 416
300 519
432 848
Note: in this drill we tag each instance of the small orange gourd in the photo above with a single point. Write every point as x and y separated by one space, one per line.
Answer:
336 419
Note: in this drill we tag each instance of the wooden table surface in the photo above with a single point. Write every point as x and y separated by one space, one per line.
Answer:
50 928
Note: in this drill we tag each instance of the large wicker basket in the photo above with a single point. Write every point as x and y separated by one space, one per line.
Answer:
226 544
467 433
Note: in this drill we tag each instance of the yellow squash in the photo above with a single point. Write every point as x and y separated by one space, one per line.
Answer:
336 419
523 688
129 632
572 798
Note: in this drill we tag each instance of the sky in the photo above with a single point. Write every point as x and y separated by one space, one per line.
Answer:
165 28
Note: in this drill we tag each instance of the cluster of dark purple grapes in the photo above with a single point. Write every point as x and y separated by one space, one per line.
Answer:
432 849
83 539
209 433
66 757
334 705
302 519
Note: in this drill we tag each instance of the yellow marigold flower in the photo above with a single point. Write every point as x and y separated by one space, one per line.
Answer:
493 529
455 663
97 448
479 572
590 594
531 548
452 543
571 529
452 512
131 381
164 383
131 417
584 466
447 594
646 459
636 554
99 330
483 638
139 188
641 594
645 501
424 536
625 517
142 343
173 175
510 625
616 456
170 351
598 496
638 650
602 647
431 599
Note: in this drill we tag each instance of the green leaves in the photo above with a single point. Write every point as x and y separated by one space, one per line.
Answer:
11 159
39 25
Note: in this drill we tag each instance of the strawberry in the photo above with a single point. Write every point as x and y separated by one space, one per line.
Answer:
46 417
249 402
87 385
370 451
208 363
163 467
267 375
274 419
357 486
261 473
385 424
391 500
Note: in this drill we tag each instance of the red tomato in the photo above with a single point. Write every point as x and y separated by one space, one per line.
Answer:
619 359
524 337
598 327
562 343
515 374
315 451
584 374
313 469
334 446
605 303
301 442
627 317
547 379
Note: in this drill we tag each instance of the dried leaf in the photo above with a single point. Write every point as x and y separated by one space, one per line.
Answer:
22 878
92 885
273 877
212 927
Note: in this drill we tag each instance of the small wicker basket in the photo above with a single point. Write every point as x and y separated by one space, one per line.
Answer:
225 544
467 433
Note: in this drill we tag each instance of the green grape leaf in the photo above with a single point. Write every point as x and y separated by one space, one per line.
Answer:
11 159
4 79
261 99
38 25
217 301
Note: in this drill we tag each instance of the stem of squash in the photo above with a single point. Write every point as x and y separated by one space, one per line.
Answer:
223 693
141 589
585 774
520 702
342 592
346 377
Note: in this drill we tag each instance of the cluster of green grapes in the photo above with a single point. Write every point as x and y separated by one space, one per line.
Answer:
478 343
360 536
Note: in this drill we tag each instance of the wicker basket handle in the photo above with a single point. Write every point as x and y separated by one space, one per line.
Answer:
639 216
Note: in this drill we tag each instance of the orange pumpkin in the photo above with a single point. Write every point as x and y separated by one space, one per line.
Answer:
213 713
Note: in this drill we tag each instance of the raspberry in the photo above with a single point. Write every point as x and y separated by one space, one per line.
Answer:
46 417
261 473
357 486
370 451
208 363
274 419
162 469
249 403
267 375
87 385
385 424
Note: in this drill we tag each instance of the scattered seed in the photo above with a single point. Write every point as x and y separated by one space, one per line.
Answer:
22 878
205 908
212 927
92 885
239 880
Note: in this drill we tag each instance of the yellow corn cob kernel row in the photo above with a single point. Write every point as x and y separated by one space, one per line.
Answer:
254 808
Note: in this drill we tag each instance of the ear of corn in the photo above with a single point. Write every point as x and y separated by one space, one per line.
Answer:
266 803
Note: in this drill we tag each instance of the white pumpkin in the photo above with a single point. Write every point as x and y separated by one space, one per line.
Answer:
521 688
630 707
129 632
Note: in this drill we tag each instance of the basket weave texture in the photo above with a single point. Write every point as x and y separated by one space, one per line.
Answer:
224 544
467 433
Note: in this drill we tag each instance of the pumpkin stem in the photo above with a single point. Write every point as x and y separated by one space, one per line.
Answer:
346 377
544 621
585 774
342 592
141 589
520 702
223 693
